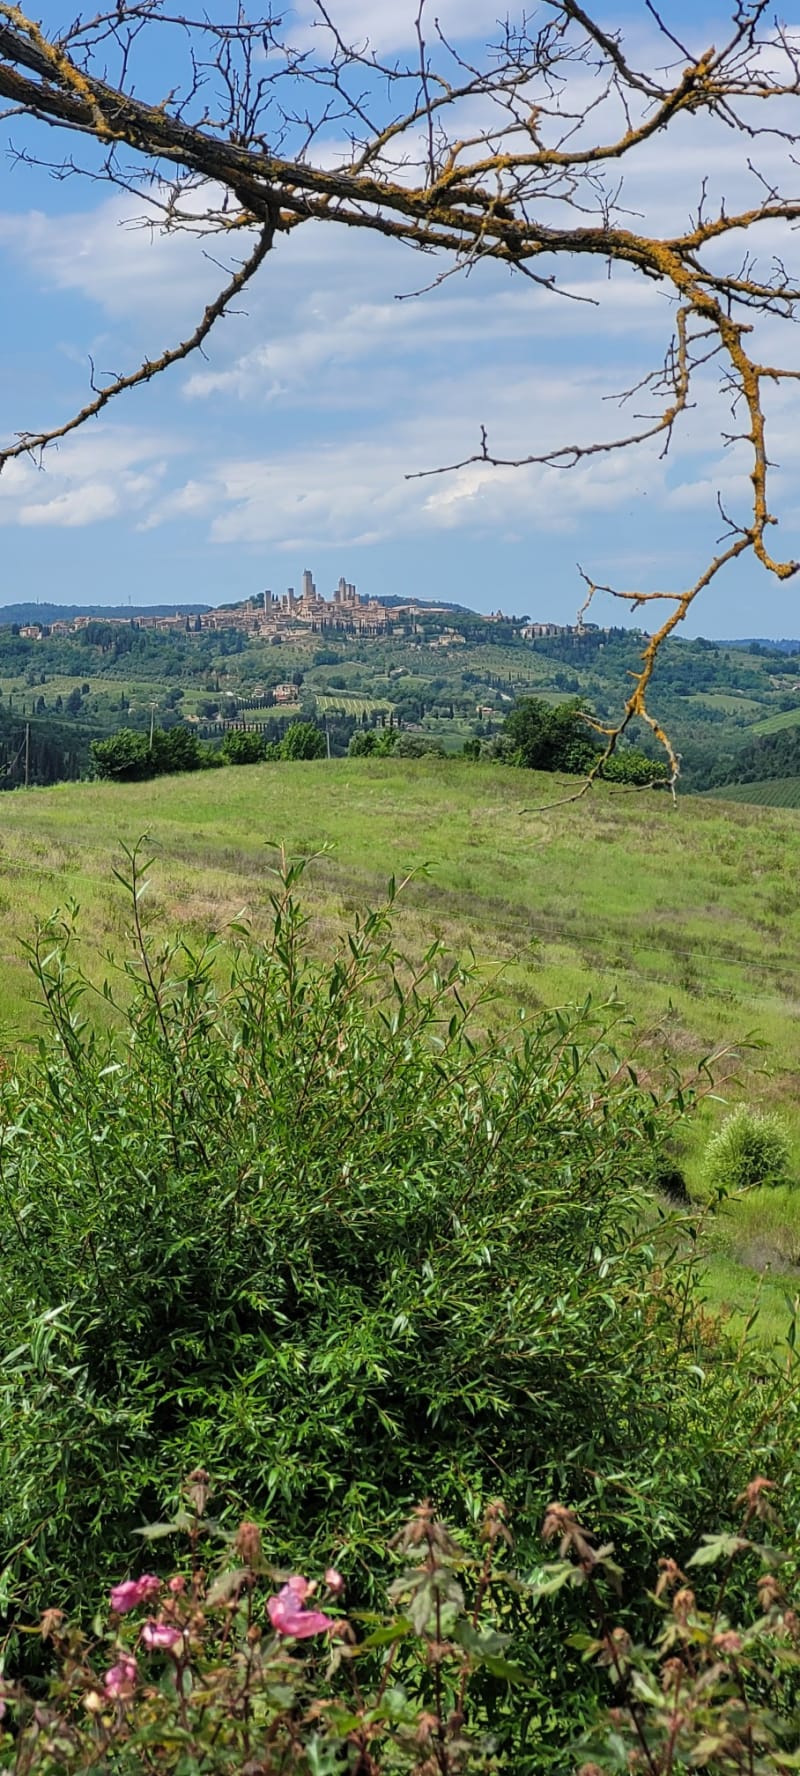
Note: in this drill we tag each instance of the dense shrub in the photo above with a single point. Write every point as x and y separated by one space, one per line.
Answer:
285 1220
417 745
548 736
244 746
628 764
751 1148
363 744
303 740
544 736
129 756
370 742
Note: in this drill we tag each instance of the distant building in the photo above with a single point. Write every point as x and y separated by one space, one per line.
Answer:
449 638
274 617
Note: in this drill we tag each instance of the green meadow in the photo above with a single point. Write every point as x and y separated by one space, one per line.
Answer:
687 915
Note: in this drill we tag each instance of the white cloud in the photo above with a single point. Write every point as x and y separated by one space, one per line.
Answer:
92 477
390 24
82 505
322 329
323 492
105 255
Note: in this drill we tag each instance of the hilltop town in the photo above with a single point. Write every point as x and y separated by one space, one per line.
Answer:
273 616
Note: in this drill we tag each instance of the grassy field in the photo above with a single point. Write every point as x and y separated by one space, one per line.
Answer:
688 914
730 703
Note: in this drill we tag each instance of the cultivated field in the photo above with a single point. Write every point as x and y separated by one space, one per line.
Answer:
768 792
775 724
688 915
357 706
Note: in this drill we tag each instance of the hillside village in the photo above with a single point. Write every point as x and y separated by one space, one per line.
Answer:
271 616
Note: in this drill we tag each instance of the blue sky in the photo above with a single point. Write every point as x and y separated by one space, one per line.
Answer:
291 443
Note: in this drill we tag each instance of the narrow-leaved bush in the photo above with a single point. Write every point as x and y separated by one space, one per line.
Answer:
288 1220
751 1148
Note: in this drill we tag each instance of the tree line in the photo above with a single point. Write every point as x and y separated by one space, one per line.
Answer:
131 757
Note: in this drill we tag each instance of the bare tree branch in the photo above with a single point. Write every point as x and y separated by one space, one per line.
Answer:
33 443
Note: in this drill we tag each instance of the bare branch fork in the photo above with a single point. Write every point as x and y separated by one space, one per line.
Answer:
514 154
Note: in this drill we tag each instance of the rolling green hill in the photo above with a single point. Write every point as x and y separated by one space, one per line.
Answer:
713 699
689 912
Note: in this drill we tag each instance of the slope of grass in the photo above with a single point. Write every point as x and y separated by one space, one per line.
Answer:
730 703
689 914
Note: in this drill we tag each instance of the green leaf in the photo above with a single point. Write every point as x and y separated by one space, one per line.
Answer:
156 1532
380 1637
512 1673
718 1548
227 1586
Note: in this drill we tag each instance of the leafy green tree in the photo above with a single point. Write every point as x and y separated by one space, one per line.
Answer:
416 746
303 740
363 744
244 746
175 750
548 737
374 742
130 756
124 756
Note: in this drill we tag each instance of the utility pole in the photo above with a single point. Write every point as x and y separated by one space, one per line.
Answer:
27 754
153 708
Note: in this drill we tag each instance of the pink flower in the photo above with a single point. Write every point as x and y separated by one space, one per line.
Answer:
131 1592
161 1637
334 1582
119 1681
177 1585
288 1616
